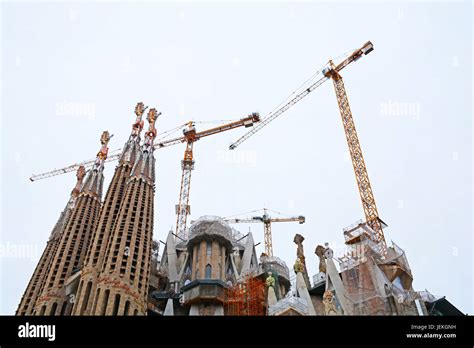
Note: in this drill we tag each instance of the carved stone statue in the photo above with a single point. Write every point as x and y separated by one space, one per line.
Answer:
298 240
320 250
270 281
329 304
271 296
298 266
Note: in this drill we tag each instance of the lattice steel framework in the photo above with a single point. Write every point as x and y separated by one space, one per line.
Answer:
360 169
182 208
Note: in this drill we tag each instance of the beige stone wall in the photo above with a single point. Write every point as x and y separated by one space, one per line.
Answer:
200 260
99 241
71 252
36 283
125 274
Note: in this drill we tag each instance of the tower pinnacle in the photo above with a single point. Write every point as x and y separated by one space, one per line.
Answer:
102 154
132 148
144 166
151 133
138 125
80 174
121 287
95 177
88 293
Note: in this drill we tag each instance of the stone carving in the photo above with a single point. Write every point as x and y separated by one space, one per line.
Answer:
298 266
102 154
329 304
81 172
151 133
138 125
270 281
298 240
140 109
109 282
320 250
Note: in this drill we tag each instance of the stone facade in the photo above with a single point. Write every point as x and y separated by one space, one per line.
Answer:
37 281
95 257
72 247
122 284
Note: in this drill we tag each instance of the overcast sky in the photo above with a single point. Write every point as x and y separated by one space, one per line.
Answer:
71 71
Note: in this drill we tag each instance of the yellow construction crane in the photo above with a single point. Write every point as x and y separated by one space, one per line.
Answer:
331 71
267 220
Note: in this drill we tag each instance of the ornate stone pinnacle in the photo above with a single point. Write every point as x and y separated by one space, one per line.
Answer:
140 109
298 266
319 251
138 125
105 138
151 118
102 154
81 172
270 280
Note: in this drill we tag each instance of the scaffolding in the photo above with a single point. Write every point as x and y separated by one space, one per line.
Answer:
247 297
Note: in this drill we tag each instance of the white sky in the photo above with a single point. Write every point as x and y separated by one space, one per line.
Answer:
411 101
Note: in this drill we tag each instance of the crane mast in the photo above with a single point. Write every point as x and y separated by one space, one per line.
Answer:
267 221
187 166
331 71
267 237
358 163
183 208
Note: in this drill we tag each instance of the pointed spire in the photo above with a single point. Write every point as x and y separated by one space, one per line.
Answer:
95 177
132 146
104 150
80 174
138 125
144 166
151 133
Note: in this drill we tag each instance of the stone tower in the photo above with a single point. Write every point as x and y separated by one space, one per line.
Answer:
122 284
87 290
210 244
36 283
73 244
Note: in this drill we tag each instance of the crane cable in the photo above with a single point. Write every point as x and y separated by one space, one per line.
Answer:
303 90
